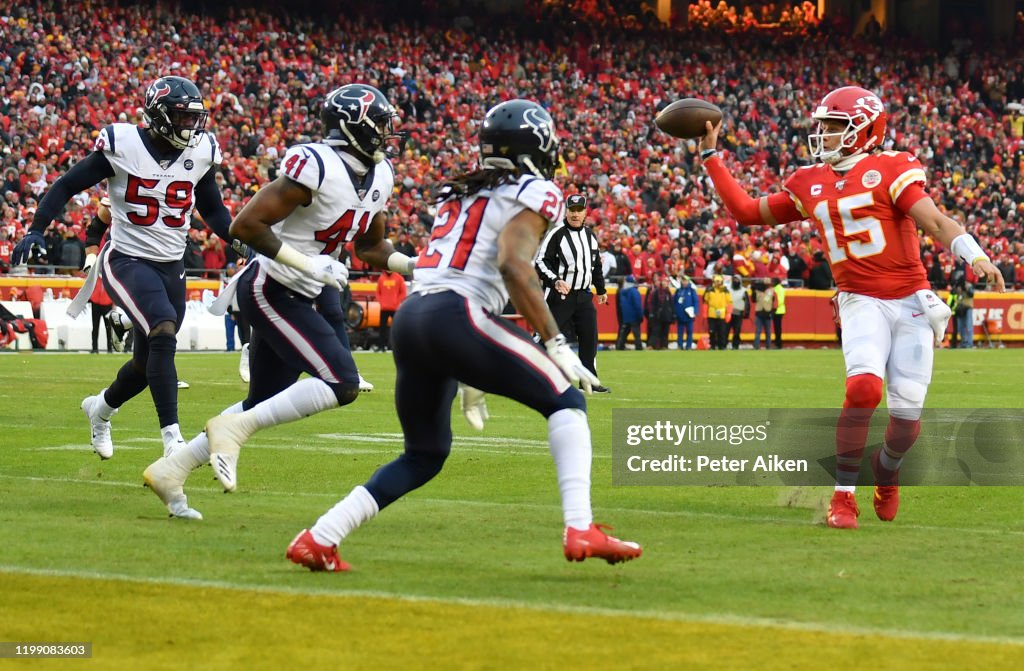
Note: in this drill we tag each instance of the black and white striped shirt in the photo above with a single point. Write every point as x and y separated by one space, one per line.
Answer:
571 254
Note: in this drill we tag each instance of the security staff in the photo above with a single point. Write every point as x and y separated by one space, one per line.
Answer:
569 265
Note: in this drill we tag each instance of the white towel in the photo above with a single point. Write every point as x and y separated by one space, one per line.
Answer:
85 293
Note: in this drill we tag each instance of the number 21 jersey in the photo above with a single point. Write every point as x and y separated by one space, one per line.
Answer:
463 252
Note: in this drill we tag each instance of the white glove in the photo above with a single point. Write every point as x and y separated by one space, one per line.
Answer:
935 311
324 269
90 261
473 403
566 359
690 312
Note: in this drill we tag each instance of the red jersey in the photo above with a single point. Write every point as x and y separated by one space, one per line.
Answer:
871 241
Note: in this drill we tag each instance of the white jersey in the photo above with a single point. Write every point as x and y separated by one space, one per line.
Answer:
151 204
342 208
463 252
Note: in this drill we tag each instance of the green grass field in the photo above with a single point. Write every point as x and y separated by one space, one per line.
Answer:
467 572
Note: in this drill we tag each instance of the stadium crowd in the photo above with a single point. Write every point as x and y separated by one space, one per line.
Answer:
67 69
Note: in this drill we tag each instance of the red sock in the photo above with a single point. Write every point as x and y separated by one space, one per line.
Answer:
863 394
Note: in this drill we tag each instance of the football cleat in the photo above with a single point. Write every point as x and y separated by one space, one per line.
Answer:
243 364
183 385
102 444
842 511
226 439
304 550
166 478
594 542
887 492
364 385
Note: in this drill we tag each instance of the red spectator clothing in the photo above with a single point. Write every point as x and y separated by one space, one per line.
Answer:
34 295
873 245
214 257
100 295
391 290
6 248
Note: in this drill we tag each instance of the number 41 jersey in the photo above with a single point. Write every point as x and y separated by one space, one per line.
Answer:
463 252
861 215
151 202
343 206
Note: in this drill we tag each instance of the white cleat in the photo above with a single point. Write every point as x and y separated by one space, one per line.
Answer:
102 444
243 364
183 385
226 438
364 385
166 479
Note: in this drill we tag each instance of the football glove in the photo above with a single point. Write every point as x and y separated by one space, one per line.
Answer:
560 352
324 269
473 403
32 246
90 261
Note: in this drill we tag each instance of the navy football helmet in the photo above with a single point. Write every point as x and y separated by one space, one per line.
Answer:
519 135
175 111
359 117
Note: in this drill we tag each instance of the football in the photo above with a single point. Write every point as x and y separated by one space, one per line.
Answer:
685 118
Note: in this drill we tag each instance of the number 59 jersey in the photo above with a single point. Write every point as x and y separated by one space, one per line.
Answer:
861 214
463 252
151 202
343 206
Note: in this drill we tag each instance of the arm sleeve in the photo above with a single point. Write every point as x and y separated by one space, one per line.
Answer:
211 206
90 171
597 275
745 209
94 232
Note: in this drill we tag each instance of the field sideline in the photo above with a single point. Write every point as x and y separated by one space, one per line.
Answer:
467 572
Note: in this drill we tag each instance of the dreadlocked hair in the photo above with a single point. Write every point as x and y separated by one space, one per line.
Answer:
471 183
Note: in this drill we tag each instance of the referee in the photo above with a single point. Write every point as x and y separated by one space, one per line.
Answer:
569 264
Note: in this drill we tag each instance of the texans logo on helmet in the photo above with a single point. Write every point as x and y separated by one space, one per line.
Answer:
356 112
156 92
540 128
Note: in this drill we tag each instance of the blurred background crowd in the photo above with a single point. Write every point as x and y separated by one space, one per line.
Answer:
67 69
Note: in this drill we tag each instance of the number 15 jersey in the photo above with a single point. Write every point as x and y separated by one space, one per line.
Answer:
861 214
463 252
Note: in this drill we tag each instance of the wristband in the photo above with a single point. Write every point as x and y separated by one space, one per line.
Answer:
966 248
293 258
708 153
400 263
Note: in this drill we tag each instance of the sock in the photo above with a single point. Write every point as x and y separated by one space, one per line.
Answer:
162 377
900 436
846 488
569 442
103 408
128 384
171 435
863 394
851 436
304 398
345 517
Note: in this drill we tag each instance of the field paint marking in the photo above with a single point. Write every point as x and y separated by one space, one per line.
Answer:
398 437
760 519
723 619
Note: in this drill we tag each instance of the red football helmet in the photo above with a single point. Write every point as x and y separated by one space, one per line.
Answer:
864 115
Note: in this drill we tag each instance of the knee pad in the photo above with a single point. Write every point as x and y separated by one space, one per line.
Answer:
345 392
906 398
863 391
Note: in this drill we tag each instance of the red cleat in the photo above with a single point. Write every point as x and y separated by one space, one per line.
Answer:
887 491
594 542
306 551
842 511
